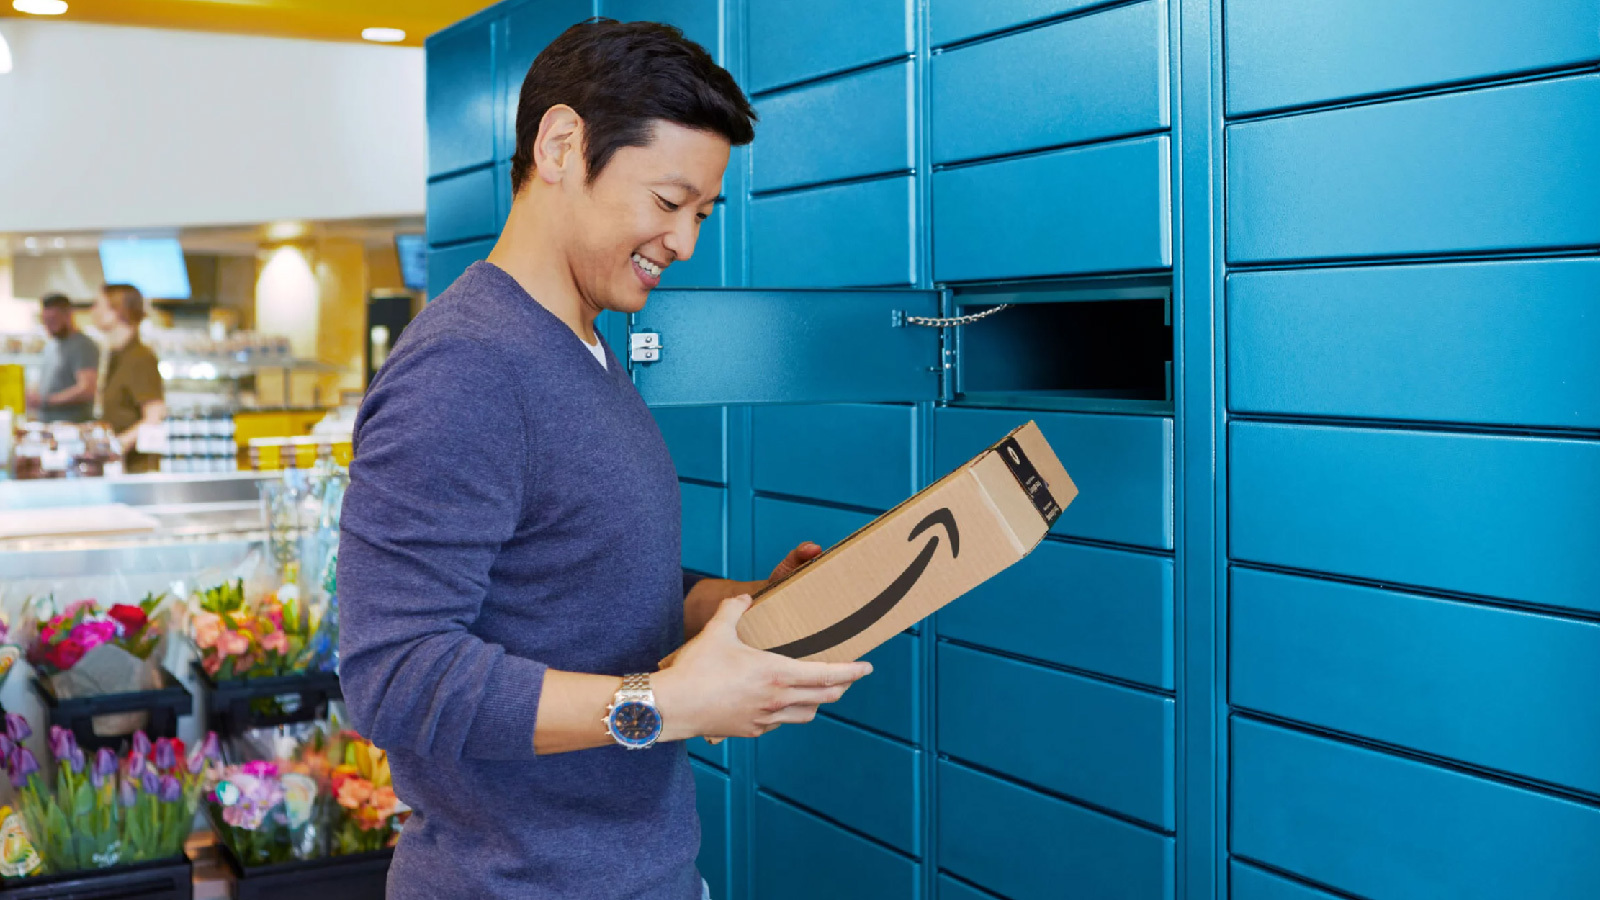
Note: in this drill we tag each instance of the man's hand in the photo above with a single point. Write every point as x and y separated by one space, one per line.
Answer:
797 557
717 686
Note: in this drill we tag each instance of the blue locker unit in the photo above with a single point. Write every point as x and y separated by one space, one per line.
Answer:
1319 622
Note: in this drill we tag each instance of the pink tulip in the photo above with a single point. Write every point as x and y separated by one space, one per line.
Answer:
207 628
232 643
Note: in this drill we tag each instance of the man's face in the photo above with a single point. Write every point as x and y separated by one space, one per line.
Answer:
102 315
57 320
641 215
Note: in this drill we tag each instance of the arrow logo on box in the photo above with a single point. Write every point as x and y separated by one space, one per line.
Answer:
879 606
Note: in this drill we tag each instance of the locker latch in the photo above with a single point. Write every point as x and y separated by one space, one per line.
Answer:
644 346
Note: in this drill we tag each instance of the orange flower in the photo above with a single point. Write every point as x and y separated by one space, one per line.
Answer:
384 802
207 628
232 643
354 792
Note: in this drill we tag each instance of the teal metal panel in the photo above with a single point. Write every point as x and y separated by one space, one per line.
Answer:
1099 610
1122 466
1510 517
716 755
780 526
800 857
697 439
1087 78
800 130
957 20
1502 343
703 518
858 454
1027 846
792 42
1497 169
1108 746
951 889
446 264
1491 687
699 20
1096 209
1314 51
460 98
529 27
502 194
463 207
855 778
1251 883
746 346
889 698
712 803
1383 827
863 230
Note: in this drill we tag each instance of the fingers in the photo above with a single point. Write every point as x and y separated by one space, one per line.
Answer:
729 611
825 675
797 557
814 696
799 714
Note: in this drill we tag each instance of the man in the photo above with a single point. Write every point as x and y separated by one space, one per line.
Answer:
71 366
508 572
134 395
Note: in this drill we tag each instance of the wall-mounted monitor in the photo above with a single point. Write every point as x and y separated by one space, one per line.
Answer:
153 265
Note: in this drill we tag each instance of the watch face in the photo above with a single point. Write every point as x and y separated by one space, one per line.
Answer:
636 723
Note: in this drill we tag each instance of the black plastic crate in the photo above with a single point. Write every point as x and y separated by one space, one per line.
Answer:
76 714
162 879
357 876
233 706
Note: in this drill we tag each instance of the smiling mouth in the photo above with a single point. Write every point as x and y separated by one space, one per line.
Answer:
654 270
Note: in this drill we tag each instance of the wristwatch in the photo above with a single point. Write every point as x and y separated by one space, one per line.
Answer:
633 719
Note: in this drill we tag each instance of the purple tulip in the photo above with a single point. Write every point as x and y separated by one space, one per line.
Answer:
126 795
21 767
6 746
17 728
210 747
62 743
149 783
165 755
105 766
141 745
76 760
168 790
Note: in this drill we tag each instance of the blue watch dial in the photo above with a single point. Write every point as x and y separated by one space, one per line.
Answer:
636 723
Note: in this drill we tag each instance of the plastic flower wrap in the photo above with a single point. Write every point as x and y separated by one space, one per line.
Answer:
243 638
101 811
265 815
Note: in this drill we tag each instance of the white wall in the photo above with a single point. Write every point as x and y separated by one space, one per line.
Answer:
108 127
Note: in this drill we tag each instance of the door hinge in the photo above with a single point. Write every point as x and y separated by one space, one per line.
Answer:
644 347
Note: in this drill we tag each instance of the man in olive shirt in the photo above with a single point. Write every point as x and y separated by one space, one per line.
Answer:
71 367
133 394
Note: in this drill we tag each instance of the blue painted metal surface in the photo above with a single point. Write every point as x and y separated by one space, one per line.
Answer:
858 454
1510 517
780 526
699 20
801 857
1108 746
1252 883
711 801
1503 168
791 42
446 264
1099 610
1500 343
858 779
1108 79
704 515
1088 210
1491 687
1316 51
460 100
888 700
951 889
746 346
717 755
463 207
863 230
1122 466
697 438
1028 846
799 130
1384 827
954 20
529 27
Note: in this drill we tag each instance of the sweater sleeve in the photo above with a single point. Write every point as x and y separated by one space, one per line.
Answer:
436 487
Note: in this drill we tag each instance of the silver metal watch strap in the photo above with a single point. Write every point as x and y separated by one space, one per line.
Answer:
636 687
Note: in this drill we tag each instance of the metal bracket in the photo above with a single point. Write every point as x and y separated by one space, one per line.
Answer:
949 321
644 347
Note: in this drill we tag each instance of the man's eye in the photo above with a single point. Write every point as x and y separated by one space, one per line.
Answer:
666 204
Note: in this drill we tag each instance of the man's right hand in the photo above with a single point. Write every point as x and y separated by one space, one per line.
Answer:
717 686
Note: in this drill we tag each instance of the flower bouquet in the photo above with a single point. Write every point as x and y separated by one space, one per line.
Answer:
261 638
101 812
368 815
64 639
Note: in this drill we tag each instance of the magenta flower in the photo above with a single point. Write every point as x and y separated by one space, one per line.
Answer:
17 728
260 769
93 634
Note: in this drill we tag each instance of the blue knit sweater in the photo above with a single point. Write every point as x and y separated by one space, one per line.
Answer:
512 506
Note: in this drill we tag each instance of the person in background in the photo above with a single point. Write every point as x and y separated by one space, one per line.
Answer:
71 366
133 393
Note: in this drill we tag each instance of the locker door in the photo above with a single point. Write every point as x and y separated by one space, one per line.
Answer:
718 346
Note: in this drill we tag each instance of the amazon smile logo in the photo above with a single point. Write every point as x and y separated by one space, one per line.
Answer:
878 607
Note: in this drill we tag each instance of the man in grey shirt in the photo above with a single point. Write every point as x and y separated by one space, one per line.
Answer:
71 367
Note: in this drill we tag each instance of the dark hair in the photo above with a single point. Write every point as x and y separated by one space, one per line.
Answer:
126 302
55 301
621 78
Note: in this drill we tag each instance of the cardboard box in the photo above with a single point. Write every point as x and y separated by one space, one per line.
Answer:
941 543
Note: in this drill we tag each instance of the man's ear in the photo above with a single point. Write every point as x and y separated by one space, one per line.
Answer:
558 149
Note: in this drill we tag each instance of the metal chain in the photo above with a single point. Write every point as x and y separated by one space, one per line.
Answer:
954 320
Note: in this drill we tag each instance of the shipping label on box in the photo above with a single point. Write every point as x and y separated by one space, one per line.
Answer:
941 543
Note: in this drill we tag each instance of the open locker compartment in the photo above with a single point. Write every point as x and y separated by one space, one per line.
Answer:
1101 345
